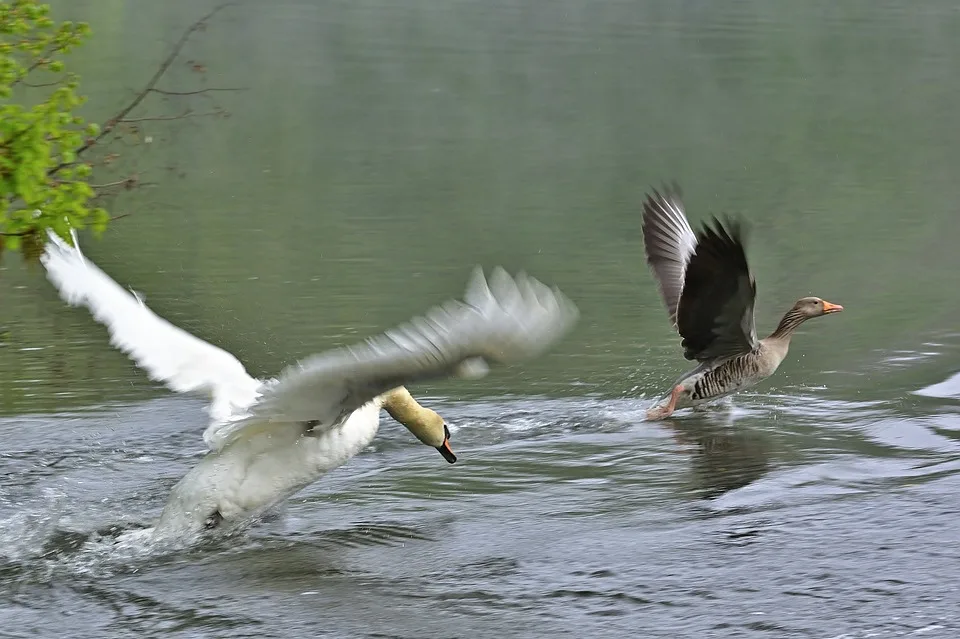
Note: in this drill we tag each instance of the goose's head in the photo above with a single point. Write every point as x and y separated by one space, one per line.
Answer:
815 307
424 423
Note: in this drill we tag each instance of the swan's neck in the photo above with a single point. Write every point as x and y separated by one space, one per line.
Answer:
424 423
401 405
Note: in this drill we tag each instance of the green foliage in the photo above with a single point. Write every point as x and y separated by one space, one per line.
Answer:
42 183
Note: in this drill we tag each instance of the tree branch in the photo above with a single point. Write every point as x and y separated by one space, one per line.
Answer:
185 114
35 232
161 70
41 60
127 183
197 92
107 185
43 84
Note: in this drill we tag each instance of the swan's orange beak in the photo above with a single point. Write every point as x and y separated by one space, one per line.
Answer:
445 449
831 308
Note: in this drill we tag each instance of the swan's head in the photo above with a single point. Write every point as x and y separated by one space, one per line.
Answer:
424 423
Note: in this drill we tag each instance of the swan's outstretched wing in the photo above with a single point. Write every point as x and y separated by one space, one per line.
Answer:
503 321
168 354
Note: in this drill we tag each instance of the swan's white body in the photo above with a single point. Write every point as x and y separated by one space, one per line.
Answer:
254 473
270 438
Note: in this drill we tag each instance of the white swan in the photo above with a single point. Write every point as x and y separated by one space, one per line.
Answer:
269 439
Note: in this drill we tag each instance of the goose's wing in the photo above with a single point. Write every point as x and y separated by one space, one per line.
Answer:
503 321
669 243
715 313
168 354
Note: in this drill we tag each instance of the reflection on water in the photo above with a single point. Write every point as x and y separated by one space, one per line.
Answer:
724 457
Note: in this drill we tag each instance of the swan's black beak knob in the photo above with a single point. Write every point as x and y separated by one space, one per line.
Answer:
444 448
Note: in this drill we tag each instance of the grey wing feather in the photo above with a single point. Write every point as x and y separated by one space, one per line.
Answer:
669 243
501 321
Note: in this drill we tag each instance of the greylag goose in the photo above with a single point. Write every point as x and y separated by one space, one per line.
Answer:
709 293
268 439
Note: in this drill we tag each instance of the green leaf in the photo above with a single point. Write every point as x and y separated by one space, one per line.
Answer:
37 137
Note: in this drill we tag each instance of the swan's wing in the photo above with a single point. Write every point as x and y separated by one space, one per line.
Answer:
503 321
168 354
669 243
715 316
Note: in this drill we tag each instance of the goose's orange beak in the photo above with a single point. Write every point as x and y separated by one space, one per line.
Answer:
831 308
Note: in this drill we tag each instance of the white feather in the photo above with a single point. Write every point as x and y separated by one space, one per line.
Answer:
183 362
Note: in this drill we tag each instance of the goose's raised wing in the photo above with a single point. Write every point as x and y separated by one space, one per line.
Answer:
715 314
503 321
168 354
669 243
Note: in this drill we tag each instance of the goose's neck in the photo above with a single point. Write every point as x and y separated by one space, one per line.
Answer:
791 320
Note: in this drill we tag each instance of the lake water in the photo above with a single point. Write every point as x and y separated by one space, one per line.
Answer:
379 151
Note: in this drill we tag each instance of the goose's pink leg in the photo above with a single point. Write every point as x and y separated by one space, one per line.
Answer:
662 412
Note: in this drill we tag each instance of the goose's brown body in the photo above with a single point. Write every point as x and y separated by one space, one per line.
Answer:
709 292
